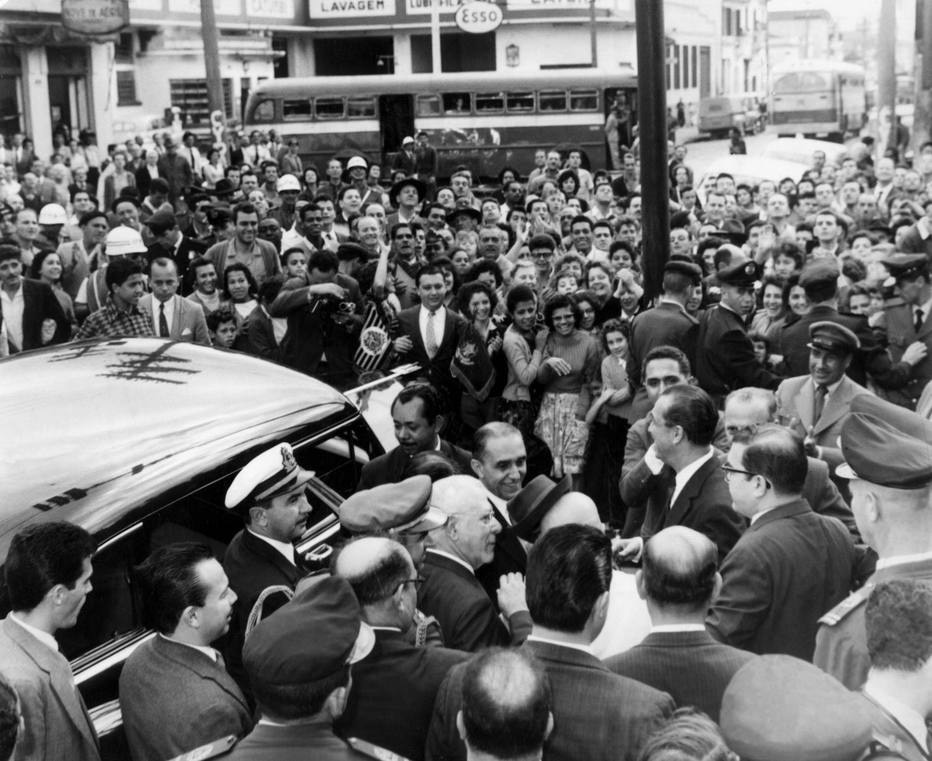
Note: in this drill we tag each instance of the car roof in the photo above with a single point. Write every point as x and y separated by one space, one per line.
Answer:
751 170
800 149
98 428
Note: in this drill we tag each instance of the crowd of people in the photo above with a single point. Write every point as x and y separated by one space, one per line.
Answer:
755 441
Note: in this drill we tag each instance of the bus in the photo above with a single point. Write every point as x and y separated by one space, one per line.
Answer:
482 120
817 98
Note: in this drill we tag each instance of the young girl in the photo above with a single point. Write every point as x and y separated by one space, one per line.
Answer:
566 283
608 417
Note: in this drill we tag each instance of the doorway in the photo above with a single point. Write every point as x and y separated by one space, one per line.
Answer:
396 120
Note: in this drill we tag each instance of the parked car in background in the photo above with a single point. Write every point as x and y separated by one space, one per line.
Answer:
718 115
137 441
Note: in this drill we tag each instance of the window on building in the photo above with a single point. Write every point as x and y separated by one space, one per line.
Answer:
685 59
123 48
190 95
126 88
694 66
676 67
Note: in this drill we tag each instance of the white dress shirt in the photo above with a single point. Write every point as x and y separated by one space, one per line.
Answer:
683 476
440 317
208 651
169 313
44 637
911 720
571 645
285 548
13 307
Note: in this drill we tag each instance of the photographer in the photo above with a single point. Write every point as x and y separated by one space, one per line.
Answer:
324 311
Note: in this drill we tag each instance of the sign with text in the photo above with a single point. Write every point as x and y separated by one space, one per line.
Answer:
221 7
283 9
93 17
422 7
565 5
479 17
350 9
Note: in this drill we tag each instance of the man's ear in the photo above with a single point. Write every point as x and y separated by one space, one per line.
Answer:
476 466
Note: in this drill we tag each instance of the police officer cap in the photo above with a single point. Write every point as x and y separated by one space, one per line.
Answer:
742 273
681 267
809 716
906 266
268 475
903 437
832 337
819 274
529 506
542 240
347 251
310 638
404 507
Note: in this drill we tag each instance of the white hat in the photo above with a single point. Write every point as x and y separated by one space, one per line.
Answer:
53 214
270 474
356 162
124 240
408 139
288 182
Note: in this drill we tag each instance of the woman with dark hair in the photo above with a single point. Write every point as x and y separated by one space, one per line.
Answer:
599 278
771 317
310 180
451 280
240 289
213 168
795 299
484 271
569 366
608 418
568 182
477 303
47 267
588 306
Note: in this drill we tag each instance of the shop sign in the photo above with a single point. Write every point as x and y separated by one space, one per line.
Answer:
95 17
423 7
221 7
283 9
321 10
478 17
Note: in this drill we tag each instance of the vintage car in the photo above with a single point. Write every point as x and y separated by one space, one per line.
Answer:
137 440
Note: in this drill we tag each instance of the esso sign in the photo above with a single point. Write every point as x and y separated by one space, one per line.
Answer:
478 17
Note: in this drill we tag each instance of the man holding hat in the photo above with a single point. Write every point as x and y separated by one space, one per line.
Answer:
816 405
666 324
888 457
820 282
406 196
725 357
909 322
268 493
394 686
302 682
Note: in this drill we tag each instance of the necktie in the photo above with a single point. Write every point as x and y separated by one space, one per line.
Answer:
163 323
820 394
431 342
918 323
192 157
256 153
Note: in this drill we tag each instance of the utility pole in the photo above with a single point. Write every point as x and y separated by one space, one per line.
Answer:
886 72
210 36
923 74
652 129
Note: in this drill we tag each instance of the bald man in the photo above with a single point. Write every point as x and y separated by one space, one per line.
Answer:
627 622
394 686
679 580
451 592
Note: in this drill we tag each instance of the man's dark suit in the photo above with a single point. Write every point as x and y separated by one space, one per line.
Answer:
294 742
789 568
252 565
841 641
597 715
870 358
188 250
175 699
725 356
388 468
453 595
438 368
690 665
40 303
898 322
396 669
510 556
703 504
56 723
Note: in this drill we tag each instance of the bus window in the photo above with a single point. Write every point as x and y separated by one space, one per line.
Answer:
801 81
296 110
264 111
329 108
457 103
360 107
552 100
584 100
428 105
520 101
489 102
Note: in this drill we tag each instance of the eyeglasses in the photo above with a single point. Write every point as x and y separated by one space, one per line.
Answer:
729 470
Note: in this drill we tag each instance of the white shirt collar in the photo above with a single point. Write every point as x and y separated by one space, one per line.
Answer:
455 559
285 548
665 628
912 720
208 651
831 389
500 504
926 309
439 311
44 637
683 476
757 516
903 559
571 645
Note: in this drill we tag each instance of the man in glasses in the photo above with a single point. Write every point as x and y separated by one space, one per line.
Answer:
791 565
394 686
